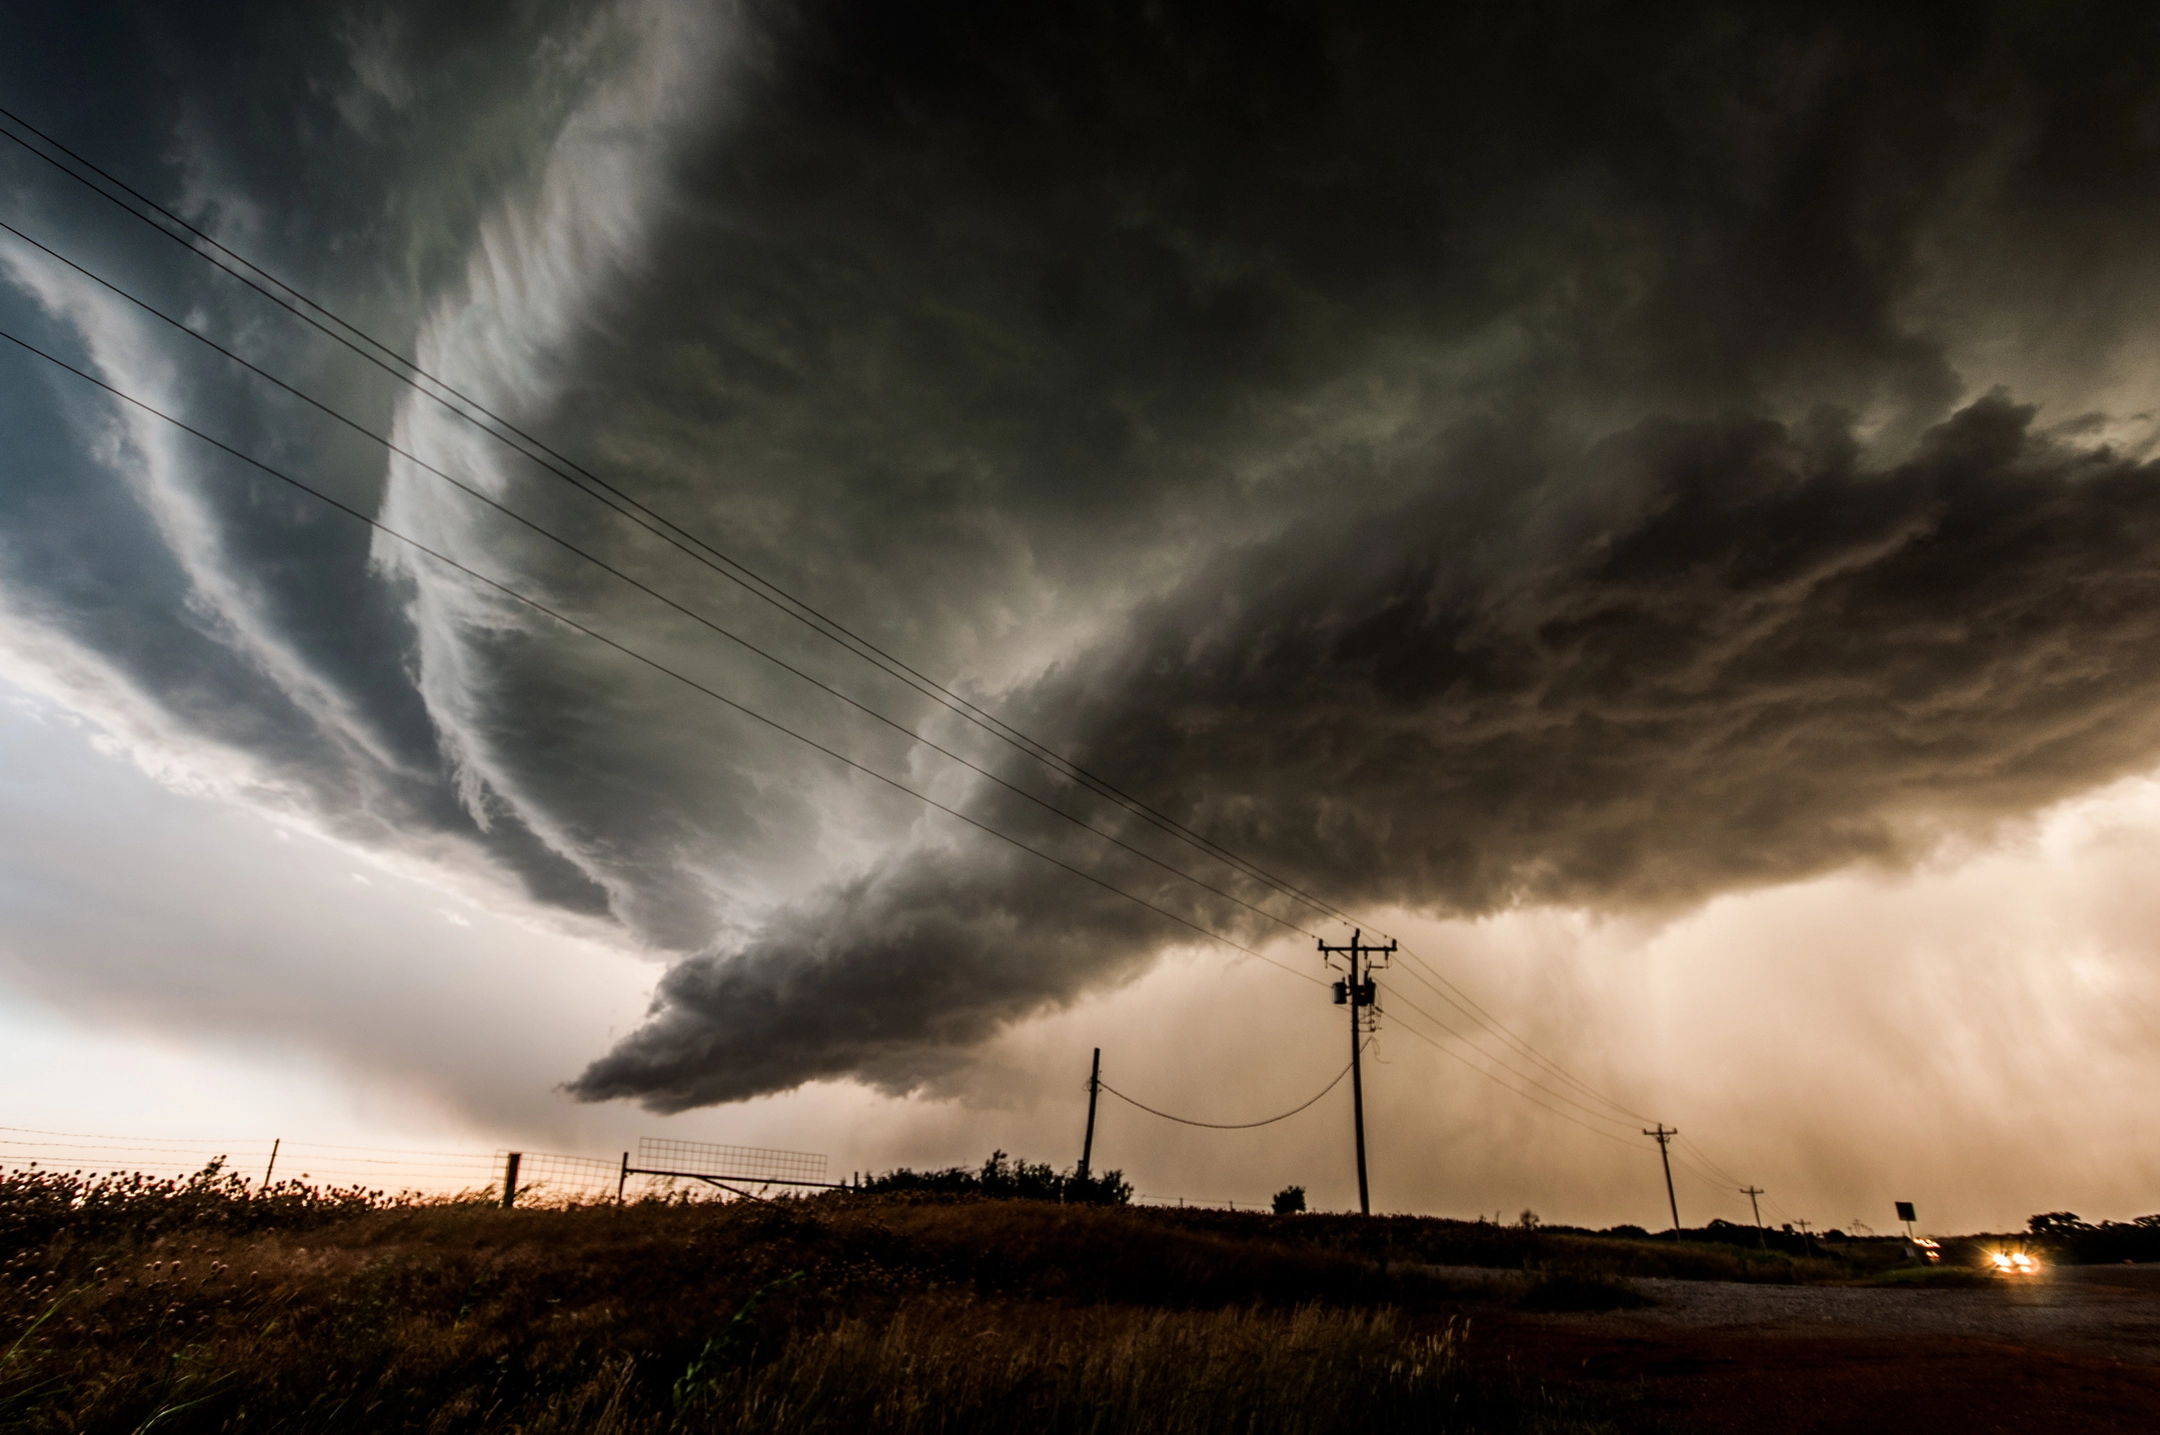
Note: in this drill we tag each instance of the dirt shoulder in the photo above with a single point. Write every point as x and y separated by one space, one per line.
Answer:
2078 1352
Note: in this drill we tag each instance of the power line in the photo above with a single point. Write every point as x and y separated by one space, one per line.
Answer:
409 372
586 482
471 410
1455 996
1594 1114
653 663
721 630
1704 1157
1227 1125
1457 1056
1448 992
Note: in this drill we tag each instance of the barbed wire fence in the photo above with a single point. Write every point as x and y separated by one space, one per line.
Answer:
541 1177
544 1177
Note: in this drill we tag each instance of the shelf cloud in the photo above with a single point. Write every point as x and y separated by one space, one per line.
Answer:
1459 459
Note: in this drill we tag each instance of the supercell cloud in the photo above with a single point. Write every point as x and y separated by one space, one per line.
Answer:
1458 457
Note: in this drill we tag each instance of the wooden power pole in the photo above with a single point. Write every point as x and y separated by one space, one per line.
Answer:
1664 1150
1087 1144
1358 993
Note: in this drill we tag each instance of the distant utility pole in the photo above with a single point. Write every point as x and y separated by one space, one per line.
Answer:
1751 1192
1664 1150
1087 1144
1358 993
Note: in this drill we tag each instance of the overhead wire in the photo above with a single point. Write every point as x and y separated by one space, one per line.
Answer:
654 663
1592 1112
394 362
408 371
1704 1157
640 585
1226 1125
1419 967
624 504
1457 1056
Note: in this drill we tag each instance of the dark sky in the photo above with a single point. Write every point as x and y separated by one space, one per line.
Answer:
1470 461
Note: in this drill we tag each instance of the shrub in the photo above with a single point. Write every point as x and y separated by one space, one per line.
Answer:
1007 1179
36 1205
2104 1244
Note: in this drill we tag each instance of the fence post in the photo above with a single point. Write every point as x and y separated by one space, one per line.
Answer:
510 1165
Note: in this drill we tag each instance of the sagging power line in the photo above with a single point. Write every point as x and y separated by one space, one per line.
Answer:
1304 1105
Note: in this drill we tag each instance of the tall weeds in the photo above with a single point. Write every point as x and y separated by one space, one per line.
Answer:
198 1307
966 1368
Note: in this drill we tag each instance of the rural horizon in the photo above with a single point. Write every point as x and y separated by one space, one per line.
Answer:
1536 618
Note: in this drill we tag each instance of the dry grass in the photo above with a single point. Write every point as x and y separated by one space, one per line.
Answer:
893 1313
958 1367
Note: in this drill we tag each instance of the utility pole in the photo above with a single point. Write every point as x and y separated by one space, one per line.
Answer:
1664 1150
1752 1192
1087 1144
1358 993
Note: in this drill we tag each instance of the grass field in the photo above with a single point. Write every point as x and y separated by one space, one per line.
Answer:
132 1306
129 1305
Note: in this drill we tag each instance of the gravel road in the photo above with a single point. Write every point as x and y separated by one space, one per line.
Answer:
2112 1311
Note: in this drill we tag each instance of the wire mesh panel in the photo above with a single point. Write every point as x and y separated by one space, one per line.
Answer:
548 1175
744 1163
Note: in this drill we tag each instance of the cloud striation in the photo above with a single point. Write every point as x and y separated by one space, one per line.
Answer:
1458 457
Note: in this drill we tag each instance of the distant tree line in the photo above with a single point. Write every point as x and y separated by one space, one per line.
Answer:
2108 1243
1012 1180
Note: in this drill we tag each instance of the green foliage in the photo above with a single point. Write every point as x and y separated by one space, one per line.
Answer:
2103 1244
1007 1179
731 1349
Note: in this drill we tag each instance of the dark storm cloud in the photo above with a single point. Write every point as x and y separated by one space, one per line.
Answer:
1734 657
1404 442
247 615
